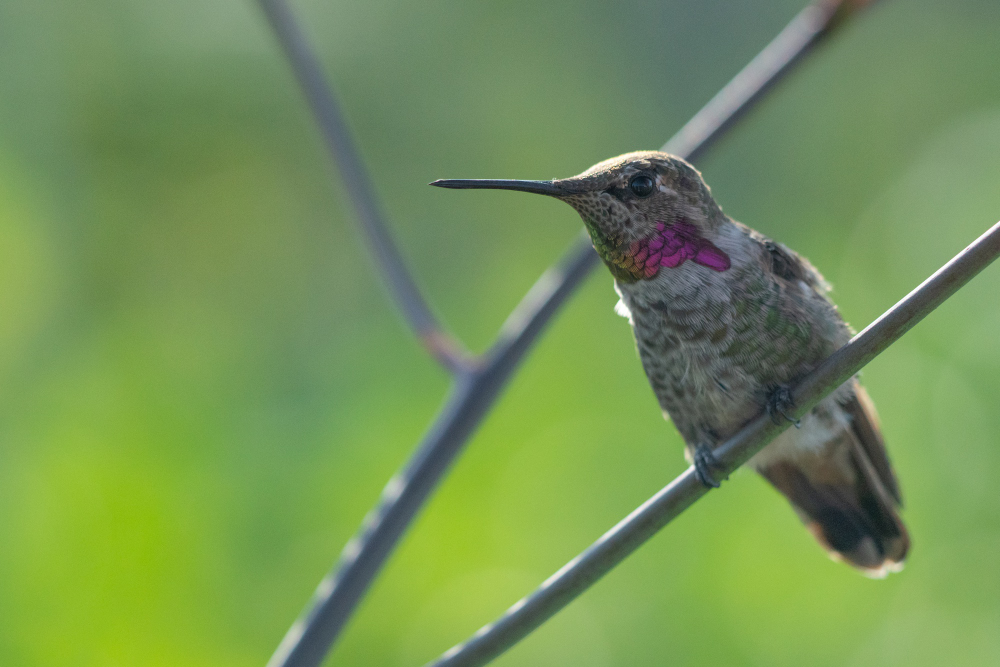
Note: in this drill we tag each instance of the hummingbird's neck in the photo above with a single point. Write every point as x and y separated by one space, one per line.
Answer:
668 247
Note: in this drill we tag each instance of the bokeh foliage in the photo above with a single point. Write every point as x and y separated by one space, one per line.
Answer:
203 386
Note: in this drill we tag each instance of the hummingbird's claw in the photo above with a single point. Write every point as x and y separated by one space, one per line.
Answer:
779 402
704 462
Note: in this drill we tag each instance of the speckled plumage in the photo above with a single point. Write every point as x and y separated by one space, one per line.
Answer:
722 317
714 345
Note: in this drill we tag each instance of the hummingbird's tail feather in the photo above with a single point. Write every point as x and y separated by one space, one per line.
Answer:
843 502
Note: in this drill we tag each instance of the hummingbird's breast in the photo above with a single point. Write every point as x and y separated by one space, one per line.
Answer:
715 344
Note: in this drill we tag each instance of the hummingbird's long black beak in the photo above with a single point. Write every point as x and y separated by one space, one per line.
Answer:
538 187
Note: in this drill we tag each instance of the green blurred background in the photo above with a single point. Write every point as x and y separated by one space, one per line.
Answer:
203 386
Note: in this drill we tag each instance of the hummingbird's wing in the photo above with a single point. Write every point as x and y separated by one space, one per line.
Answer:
790 265
865 427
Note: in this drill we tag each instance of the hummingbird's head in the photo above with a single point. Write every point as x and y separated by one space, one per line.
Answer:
644 211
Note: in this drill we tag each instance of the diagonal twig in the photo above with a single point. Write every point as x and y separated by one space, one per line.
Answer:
446 349
631 532
478 382
810 26
312 634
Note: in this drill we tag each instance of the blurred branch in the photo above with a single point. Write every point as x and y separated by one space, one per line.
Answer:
473 395
478 381
806 30
389 262
615 545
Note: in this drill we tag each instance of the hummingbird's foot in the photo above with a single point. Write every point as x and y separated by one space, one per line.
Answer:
779 403
704 463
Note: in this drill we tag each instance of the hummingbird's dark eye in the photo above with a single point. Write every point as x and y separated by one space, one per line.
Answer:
641 185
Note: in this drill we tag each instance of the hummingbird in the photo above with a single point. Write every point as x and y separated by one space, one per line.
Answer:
724 321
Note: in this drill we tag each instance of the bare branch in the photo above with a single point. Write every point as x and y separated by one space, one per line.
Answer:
537 307
479 384
615 545
308 640
730 104
388 260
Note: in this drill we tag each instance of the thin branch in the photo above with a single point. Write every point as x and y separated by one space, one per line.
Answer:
615 545
336 597
477 387
537 307
388 260
812 24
